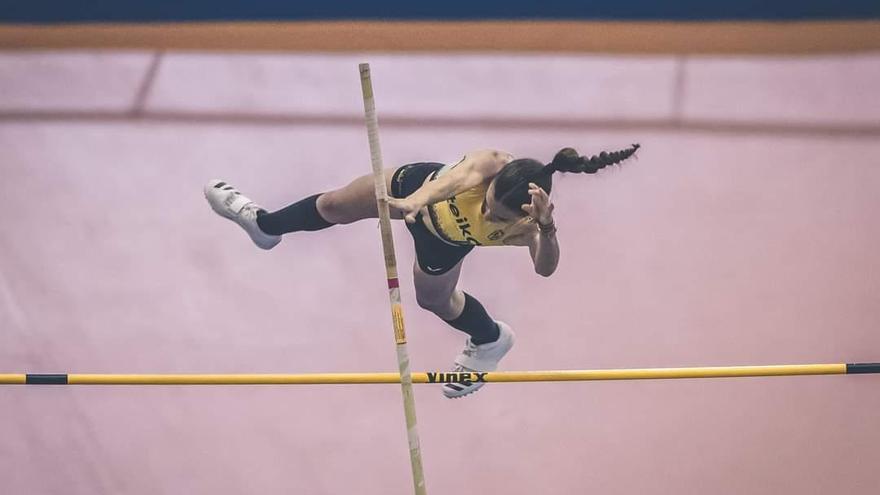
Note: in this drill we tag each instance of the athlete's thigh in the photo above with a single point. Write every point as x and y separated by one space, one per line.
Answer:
358 198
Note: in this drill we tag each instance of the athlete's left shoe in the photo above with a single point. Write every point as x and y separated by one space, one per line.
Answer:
483 357
227 202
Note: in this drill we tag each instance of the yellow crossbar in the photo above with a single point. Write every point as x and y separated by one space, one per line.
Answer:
438 377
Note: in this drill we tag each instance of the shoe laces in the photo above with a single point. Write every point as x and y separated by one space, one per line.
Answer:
251 210
470 348
462 369
230 196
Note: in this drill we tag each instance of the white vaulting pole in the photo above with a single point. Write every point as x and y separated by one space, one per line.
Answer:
409 405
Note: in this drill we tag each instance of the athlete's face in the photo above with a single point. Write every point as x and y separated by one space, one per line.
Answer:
495 212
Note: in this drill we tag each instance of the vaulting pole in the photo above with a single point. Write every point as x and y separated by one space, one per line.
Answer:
409 405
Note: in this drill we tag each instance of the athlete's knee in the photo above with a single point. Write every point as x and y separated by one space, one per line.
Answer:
332 206
425 302
444 307
432 303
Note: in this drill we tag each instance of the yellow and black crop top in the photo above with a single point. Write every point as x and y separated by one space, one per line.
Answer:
459 219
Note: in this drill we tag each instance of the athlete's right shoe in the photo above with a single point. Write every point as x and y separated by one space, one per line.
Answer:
483 357
229 203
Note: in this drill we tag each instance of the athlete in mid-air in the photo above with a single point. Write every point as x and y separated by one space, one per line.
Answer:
488 198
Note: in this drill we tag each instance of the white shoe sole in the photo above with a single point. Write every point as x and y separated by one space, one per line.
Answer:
458 394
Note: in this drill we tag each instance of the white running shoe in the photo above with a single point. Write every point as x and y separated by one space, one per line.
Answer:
231 204
483 357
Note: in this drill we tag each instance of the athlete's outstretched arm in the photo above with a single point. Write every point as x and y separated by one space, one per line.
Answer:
543 248
475 168
542 245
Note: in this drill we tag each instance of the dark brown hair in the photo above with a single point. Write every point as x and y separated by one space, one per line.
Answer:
512 183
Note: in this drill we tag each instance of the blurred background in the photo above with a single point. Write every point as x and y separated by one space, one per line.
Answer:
745 233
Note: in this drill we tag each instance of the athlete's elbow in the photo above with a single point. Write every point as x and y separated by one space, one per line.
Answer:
545 263
545 272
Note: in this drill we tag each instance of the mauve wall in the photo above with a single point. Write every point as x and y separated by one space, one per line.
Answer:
745 233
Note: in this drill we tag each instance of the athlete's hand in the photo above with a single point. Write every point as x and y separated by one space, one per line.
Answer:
407 207
540 209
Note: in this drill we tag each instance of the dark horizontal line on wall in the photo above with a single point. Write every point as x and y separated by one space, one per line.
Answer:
396 36
232 10
818 130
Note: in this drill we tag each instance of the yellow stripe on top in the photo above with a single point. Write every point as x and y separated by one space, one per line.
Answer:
459 220
439 377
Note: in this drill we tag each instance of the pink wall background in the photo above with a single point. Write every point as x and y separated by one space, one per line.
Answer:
745 233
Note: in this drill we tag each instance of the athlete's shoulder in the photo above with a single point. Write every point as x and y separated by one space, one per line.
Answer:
521 233
491 155
488 162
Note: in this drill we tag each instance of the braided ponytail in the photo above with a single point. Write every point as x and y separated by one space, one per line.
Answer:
511 184
567 160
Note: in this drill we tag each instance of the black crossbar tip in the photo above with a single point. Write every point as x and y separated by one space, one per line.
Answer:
38 379
856 368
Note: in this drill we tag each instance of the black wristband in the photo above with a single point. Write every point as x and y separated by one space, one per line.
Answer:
546 229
